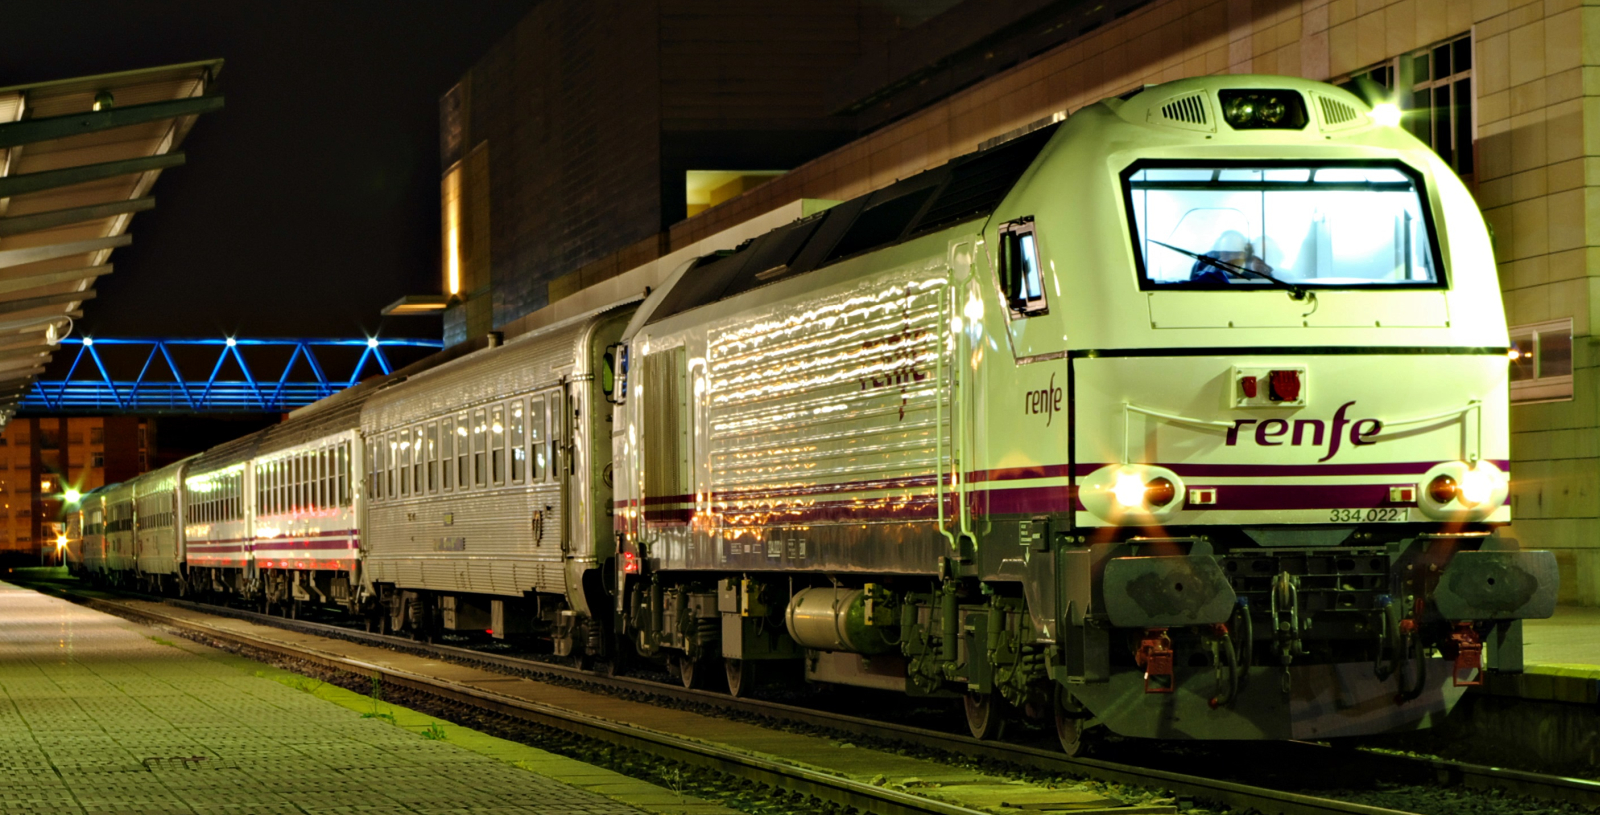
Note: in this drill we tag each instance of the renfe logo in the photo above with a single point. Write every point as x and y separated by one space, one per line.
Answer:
1047 400
1362 431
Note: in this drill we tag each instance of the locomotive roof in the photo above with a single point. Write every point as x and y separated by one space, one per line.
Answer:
966 187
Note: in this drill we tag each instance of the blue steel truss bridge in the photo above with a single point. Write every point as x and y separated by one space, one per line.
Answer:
213 375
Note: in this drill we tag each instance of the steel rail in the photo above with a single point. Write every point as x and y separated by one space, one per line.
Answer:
782 775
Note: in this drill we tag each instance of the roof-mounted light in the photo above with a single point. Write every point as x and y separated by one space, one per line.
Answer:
1386 114
1263 109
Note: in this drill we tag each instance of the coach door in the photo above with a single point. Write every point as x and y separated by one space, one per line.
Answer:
563 433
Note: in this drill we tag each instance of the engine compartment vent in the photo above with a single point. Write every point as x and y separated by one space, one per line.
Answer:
1190 112
1336 114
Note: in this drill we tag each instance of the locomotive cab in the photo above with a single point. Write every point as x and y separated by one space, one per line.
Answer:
1274 327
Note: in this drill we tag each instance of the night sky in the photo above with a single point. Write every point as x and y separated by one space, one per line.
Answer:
311 200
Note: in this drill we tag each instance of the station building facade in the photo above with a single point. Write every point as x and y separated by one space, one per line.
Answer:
569 163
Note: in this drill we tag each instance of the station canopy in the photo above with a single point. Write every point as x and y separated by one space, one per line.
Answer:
78 158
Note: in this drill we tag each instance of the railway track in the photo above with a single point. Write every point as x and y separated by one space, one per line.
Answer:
798 777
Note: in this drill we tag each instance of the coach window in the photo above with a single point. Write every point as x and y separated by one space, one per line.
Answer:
447 454
330 486
558 425
416 459
519 453
342 470
390 462
1020 274
497 444
433 457
536 436
480 435
405 463
463 454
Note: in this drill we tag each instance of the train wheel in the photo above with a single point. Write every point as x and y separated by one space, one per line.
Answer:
1070 725
688 672
740 679
985 715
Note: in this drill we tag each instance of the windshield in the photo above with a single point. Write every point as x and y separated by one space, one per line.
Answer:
1309 225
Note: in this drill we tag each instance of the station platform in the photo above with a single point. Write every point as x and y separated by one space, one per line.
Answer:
101 715
1561 658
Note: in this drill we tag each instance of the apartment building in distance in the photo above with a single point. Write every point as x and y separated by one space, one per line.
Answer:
42 458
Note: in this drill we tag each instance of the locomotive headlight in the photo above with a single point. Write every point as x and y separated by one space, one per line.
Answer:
1159 491
1129 490
1263 109
1131 493
1442 489
1476 487
1462 491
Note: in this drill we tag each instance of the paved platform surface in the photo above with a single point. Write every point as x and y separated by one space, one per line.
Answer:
99 715
932 779
1572 637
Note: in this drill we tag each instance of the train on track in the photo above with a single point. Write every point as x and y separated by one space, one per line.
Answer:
1184 417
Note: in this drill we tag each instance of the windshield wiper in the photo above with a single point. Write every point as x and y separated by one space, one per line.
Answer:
1296 292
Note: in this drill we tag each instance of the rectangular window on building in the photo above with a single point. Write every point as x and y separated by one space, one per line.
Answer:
1541 362
97 459
97 435
1433 88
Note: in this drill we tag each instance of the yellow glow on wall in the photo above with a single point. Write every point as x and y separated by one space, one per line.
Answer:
451 209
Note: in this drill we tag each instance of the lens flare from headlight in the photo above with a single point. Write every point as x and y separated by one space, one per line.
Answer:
1476 487
1129 490
1386 114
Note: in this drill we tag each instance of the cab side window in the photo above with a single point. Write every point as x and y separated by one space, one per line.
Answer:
1021 277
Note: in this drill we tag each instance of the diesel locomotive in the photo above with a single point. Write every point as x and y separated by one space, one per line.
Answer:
1183 417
